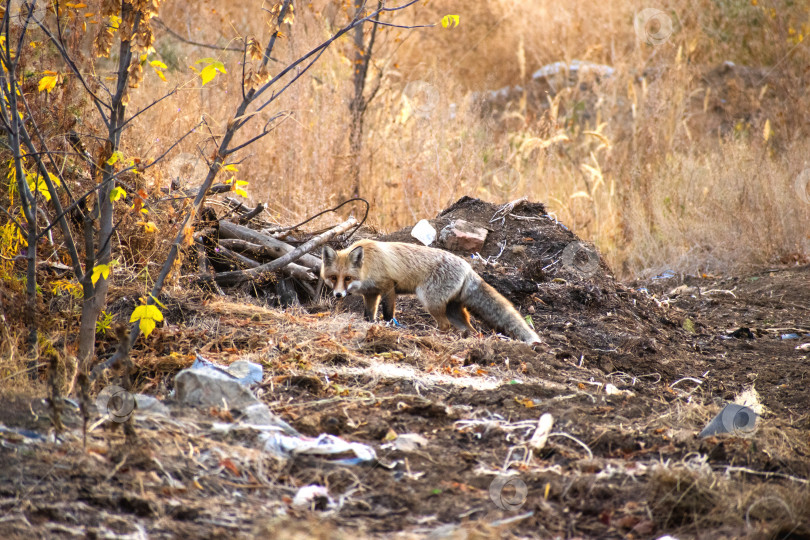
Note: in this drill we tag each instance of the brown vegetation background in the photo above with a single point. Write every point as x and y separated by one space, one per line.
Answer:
665 164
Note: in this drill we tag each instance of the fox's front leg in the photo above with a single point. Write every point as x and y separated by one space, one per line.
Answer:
371 301
389 304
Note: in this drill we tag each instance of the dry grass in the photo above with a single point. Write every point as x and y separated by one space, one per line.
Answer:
664 187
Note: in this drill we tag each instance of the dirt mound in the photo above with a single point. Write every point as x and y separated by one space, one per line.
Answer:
569 291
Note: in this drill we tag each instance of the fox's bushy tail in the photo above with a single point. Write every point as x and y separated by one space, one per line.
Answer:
489 305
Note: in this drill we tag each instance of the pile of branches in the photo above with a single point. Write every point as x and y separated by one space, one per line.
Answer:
241 248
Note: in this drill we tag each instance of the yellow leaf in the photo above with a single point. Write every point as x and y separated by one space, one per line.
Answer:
158 64
37 184
213 66
146 326
100 271
450 21
148 226
116 193
230 167
147 316
207 74
766 131
48 83
241 192
161 75
154 313
115 157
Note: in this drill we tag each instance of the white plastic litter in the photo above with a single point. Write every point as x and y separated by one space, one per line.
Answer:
346 453
424 232
540 436
307 495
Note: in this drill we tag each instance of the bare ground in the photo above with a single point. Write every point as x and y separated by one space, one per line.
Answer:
631 372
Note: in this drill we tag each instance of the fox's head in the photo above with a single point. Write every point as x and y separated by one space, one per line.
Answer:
340 269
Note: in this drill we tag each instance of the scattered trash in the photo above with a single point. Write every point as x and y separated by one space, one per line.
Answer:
803 347
324 445
462 235
734 419
424 232
17 435
246 373
790 336
407 442
540 436
665 275
742 333
314 497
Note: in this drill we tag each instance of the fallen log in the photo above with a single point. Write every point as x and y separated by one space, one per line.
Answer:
248 248
292 269
276 248
239 276
295 270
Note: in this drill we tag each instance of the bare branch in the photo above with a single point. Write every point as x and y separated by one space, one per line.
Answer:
134 116
177 36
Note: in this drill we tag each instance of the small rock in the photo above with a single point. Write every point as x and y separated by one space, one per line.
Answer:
150 404
742 333
462 235
683 290
408 442
258 414
246 372
210 388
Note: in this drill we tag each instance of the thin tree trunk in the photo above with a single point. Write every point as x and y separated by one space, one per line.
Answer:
359 103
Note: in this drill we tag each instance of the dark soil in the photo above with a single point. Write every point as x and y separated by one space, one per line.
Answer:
633 371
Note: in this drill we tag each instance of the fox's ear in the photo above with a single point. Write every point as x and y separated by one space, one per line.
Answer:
356 256
329 255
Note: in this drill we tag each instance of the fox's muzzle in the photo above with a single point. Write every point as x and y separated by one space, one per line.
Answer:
340 294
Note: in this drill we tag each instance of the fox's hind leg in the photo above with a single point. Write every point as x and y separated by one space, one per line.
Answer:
459 317
389 302
437 308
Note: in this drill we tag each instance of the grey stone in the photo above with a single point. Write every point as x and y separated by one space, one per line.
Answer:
150 404
211 388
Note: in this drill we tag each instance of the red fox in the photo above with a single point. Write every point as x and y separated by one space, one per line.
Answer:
445 284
